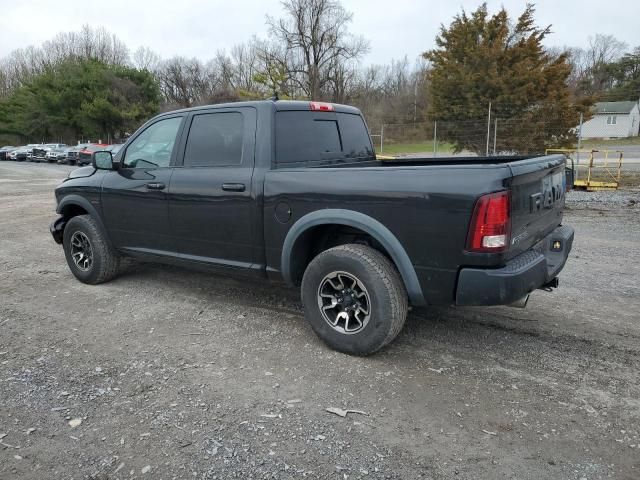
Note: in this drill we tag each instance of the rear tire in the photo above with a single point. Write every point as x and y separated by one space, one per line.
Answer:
89 255
354 299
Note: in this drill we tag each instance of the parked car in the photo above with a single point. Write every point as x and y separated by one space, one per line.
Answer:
84 155
22 154
6 151
292 191
13 154
72 153
62 155
30 148
56 154
40 153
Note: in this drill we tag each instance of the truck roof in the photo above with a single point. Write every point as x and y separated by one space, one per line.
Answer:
278 105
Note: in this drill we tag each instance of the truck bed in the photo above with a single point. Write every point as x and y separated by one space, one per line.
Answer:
426 203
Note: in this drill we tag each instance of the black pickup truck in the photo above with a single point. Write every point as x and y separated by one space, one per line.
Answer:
292 191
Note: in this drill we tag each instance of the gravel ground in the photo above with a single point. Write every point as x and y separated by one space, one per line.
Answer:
604 200
168 373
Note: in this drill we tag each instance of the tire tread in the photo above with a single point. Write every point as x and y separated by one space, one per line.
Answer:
382 267
390 276
109 266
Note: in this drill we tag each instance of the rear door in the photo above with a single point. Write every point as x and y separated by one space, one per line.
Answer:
134 197
211 201
537 200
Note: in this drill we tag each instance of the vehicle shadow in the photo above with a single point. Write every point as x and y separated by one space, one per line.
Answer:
475 329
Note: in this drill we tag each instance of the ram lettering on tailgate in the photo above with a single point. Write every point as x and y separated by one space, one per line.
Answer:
552 191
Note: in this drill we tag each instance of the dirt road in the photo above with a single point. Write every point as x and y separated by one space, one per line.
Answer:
167 373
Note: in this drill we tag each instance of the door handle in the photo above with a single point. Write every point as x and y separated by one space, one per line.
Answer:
233 187
156 186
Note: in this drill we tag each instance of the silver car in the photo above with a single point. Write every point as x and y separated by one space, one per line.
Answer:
55 154
5 152
41 152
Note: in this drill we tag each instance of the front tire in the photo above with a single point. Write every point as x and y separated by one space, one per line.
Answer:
89 255
354 299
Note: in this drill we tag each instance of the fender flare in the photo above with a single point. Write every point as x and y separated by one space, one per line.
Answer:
81 201
362 222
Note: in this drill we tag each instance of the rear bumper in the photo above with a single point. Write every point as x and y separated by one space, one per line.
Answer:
520 276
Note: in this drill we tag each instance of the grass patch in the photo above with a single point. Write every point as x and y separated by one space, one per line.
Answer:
418 147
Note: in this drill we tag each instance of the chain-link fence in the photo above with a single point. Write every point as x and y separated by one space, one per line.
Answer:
501 132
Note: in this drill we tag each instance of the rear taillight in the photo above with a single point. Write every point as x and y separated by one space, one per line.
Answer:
490 227
321 107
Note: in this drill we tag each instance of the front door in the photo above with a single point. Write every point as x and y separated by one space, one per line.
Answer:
211 207
134 197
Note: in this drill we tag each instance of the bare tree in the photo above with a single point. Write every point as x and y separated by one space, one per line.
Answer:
23 63
88 43
222 72
393 93
246 63
342 80
146 59
184 81
590 74
6 86
273 71
316 41
604 49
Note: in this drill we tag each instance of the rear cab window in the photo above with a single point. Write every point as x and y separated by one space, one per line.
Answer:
310 138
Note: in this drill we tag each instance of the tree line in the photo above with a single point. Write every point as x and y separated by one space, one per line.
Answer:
89 84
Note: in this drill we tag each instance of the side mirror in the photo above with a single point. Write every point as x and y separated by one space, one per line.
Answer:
102 160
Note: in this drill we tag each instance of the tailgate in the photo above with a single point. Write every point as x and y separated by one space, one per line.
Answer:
537 200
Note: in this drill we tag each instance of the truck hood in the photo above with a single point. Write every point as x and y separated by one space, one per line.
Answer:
81 172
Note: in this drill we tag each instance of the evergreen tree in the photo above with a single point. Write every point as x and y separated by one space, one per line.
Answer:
625 77
482 59
84 98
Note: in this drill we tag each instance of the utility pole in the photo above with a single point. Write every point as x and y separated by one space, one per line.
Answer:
415 102
495 134
488 129
435 138
579 147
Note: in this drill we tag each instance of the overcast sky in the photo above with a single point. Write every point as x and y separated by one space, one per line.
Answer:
200 27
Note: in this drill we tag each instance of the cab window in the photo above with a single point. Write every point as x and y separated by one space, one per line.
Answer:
215 140
153 147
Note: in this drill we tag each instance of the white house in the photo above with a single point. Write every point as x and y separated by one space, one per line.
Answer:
613 120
